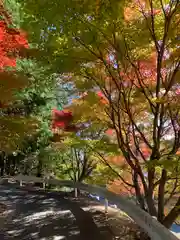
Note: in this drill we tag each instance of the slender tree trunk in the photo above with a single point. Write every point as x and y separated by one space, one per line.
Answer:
151 206
13 168
2 165
8 165
39 171
171 217
149 193
139 196
161 196
2 171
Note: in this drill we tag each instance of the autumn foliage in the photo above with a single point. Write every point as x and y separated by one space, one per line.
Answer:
11 42
125 59
61 119
62 123
13 127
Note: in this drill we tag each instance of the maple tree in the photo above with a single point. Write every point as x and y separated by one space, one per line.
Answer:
128 52
71 161
12 41
63 119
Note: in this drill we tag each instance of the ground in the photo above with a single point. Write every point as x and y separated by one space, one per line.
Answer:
32 215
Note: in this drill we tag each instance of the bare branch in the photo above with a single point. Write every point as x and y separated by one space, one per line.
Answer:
113 170
173 191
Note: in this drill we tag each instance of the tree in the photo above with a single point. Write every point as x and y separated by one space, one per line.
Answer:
37 101
76 157
11 43
73 163
128 51
27 95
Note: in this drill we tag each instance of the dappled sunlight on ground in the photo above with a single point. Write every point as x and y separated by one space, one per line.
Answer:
37 215
40 216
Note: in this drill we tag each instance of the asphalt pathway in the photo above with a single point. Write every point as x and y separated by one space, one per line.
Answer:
44 216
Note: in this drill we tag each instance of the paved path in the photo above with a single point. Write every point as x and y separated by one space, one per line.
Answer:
45 216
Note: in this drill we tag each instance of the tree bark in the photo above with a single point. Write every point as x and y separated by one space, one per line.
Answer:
151 206
7 166
149 193
161 196
139 196
39 172
171 217
39 168
2 165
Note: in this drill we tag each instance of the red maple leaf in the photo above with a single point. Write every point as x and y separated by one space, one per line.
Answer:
11 41
110 132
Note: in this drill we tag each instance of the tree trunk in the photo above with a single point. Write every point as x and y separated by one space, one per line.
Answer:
13 168
39 169
2 165
151 206
8 165
161 196
171 217
39 172
139 195
2 170
149 193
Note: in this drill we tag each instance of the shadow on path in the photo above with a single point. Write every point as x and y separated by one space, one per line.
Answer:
45 216
84 220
